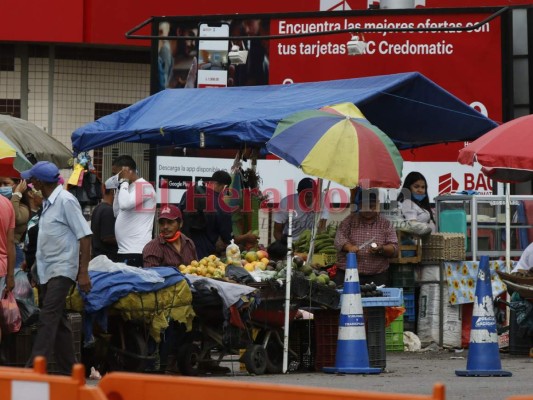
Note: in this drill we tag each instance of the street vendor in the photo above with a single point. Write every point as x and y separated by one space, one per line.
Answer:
371 236
415 206
303 202
524 266
172 247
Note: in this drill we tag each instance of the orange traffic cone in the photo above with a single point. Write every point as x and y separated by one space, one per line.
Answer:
483 352
352 351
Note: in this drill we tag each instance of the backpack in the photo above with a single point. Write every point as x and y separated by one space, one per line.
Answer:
194 221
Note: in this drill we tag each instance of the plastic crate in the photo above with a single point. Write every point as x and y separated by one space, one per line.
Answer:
323 295
326 335
76 327
302 342
300 287
519 344
16 347
392 297
402 275
394 335
409 304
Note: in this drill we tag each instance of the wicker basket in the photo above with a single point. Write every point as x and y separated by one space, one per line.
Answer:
444 246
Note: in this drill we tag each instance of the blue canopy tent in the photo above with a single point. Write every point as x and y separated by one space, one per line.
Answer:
410 108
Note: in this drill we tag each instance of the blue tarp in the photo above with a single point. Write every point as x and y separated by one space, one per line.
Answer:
108 288
410 108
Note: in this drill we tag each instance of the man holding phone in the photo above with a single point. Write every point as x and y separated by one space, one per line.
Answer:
134 208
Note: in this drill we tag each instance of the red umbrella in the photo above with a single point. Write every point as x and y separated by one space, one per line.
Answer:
504 152
506 156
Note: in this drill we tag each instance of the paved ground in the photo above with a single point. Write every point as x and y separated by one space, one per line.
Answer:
415 373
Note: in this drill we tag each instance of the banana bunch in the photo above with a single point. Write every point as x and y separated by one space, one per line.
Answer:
324 244
323 241
302 244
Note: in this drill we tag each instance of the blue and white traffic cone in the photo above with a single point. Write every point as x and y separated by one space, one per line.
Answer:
352 351
483 352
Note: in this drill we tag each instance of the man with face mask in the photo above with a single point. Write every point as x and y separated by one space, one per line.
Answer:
370 236
63 254
172 247
134 207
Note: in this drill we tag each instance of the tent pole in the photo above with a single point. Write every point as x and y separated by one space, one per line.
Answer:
507 227
287 296
315 224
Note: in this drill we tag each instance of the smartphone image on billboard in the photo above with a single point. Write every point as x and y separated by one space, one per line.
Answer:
213 56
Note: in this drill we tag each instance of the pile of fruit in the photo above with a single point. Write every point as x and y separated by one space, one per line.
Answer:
210 267
370 290
256 260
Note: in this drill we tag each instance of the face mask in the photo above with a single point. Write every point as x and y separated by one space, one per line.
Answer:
112 183
419 197
6 191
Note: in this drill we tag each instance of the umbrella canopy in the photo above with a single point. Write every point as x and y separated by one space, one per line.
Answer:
12 160
505 155
29 138
504 152
337 143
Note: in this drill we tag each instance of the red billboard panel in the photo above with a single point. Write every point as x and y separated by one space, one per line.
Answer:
466 63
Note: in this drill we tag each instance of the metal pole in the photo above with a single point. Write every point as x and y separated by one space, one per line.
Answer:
507 227
287 296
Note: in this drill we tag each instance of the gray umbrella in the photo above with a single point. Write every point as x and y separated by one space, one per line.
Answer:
32 139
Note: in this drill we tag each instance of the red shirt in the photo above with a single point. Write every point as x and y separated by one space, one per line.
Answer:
7 222
356 231
159 253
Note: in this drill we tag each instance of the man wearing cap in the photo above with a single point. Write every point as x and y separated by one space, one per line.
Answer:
63 254
217 218
172 247
303 202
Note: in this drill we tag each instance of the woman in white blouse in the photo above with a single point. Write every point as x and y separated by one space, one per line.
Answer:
414 201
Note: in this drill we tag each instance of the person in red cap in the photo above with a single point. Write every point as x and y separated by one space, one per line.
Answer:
172 247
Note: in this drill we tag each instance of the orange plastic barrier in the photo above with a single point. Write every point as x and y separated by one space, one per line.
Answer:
521 397
129 386
26 383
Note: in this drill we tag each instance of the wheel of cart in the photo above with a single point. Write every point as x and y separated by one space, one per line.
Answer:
128 346
269 318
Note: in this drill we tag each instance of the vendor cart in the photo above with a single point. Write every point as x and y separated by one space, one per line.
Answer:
250 328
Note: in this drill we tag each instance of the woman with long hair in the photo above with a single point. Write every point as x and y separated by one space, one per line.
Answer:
414 201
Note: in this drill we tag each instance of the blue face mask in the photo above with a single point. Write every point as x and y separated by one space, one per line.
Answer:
6 191
419 197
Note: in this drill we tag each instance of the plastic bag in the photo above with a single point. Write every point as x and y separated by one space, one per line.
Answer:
29 312
23 289
9 313
233 254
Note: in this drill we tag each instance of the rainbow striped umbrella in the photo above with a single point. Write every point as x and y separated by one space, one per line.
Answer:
339 144
12 160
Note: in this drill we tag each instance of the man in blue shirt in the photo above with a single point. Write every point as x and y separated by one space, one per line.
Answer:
63 254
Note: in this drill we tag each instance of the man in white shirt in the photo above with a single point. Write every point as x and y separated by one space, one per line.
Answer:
304 205
525 264
134 208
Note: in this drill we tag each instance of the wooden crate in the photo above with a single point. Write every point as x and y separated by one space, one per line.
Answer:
416 248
